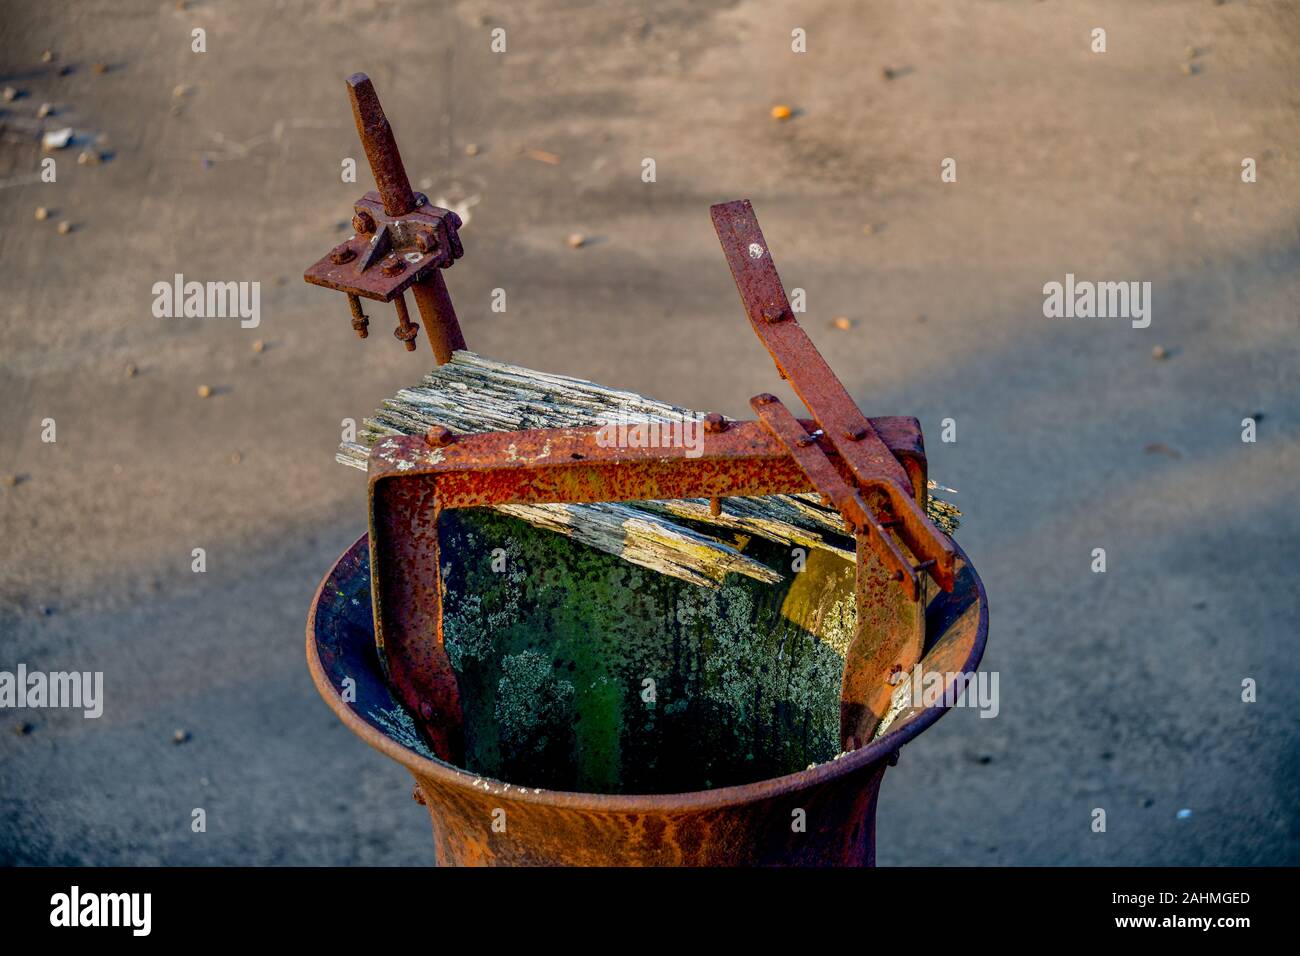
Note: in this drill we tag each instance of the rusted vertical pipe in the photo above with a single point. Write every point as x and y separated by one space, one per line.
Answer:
380 146
438 316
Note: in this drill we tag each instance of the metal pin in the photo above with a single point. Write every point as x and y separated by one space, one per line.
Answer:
715 506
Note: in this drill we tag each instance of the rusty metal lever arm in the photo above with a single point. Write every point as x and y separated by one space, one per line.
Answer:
872 466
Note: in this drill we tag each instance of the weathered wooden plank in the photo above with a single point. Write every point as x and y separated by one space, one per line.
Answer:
677 538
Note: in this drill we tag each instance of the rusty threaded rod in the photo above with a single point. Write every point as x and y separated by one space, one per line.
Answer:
406 330
360 321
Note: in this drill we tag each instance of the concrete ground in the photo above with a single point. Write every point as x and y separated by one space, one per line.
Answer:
1119 691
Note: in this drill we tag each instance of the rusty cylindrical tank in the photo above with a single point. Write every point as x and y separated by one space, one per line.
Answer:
497 813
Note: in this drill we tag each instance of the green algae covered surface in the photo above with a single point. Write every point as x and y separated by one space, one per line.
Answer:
580 671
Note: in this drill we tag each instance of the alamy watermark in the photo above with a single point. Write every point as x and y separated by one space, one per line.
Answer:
179 299
627 430
130 910
1084 299
976 689
82 690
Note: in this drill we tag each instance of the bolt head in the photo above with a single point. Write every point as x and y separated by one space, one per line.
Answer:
392 266
425 241
438 436
714 423
773 314
855 434
341 254
363 222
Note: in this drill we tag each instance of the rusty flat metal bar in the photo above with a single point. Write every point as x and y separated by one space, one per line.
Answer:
797 359
579 465
889 639
890 631
817 466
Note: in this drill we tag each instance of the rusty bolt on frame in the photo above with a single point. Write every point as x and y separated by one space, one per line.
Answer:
402 241
438 436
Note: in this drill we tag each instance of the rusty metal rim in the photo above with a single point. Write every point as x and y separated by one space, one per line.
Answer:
633 803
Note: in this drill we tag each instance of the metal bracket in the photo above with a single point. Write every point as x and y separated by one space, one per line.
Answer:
400 241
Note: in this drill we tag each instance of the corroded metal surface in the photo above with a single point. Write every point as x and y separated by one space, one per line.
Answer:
413 480
802 447
890 626
839 454
578 465
477 820
869 461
